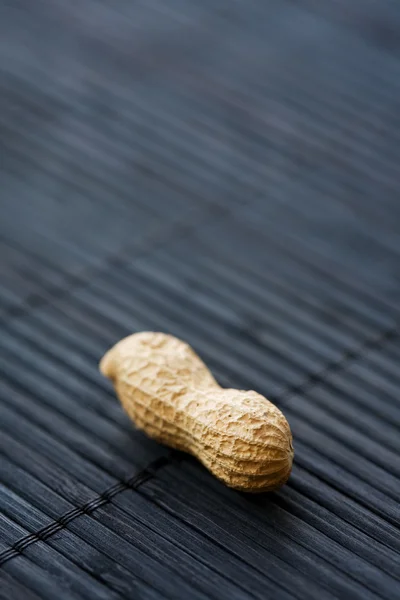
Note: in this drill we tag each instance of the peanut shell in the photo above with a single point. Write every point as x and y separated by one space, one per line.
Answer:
170 394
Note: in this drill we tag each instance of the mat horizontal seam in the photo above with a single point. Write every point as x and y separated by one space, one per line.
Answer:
148 472
335 366
86 509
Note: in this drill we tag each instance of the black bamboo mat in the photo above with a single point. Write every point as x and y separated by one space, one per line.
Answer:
227 172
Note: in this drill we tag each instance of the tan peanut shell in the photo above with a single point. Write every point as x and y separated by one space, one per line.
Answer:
169 393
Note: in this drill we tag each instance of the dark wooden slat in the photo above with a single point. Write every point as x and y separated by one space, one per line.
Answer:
390 489
364 395
269 130
307 436
65 381
115 440
338 501
221 523
120 313
369 423
94 450
299 264
78 338
357 375
103 179
37 580
216 558
87 557
362 537
261 511
62 571
38 441
342 455
96 563
126 547
151 293
341 479
281 359
336 216
321 226
327 265
348 435
221 289
117 521
303 296
358 465
114 519
381 361
11 589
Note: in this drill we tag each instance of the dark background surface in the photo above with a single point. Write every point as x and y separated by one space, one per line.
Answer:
228 172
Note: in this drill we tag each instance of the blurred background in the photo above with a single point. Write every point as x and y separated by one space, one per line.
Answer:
226 171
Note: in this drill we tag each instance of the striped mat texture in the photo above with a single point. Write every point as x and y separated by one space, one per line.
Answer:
228 172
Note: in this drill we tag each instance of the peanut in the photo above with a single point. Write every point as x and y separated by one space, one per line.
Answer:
169 393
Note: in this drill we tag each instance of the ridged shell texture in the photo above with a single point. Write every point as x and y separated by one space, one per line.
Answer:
169 393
